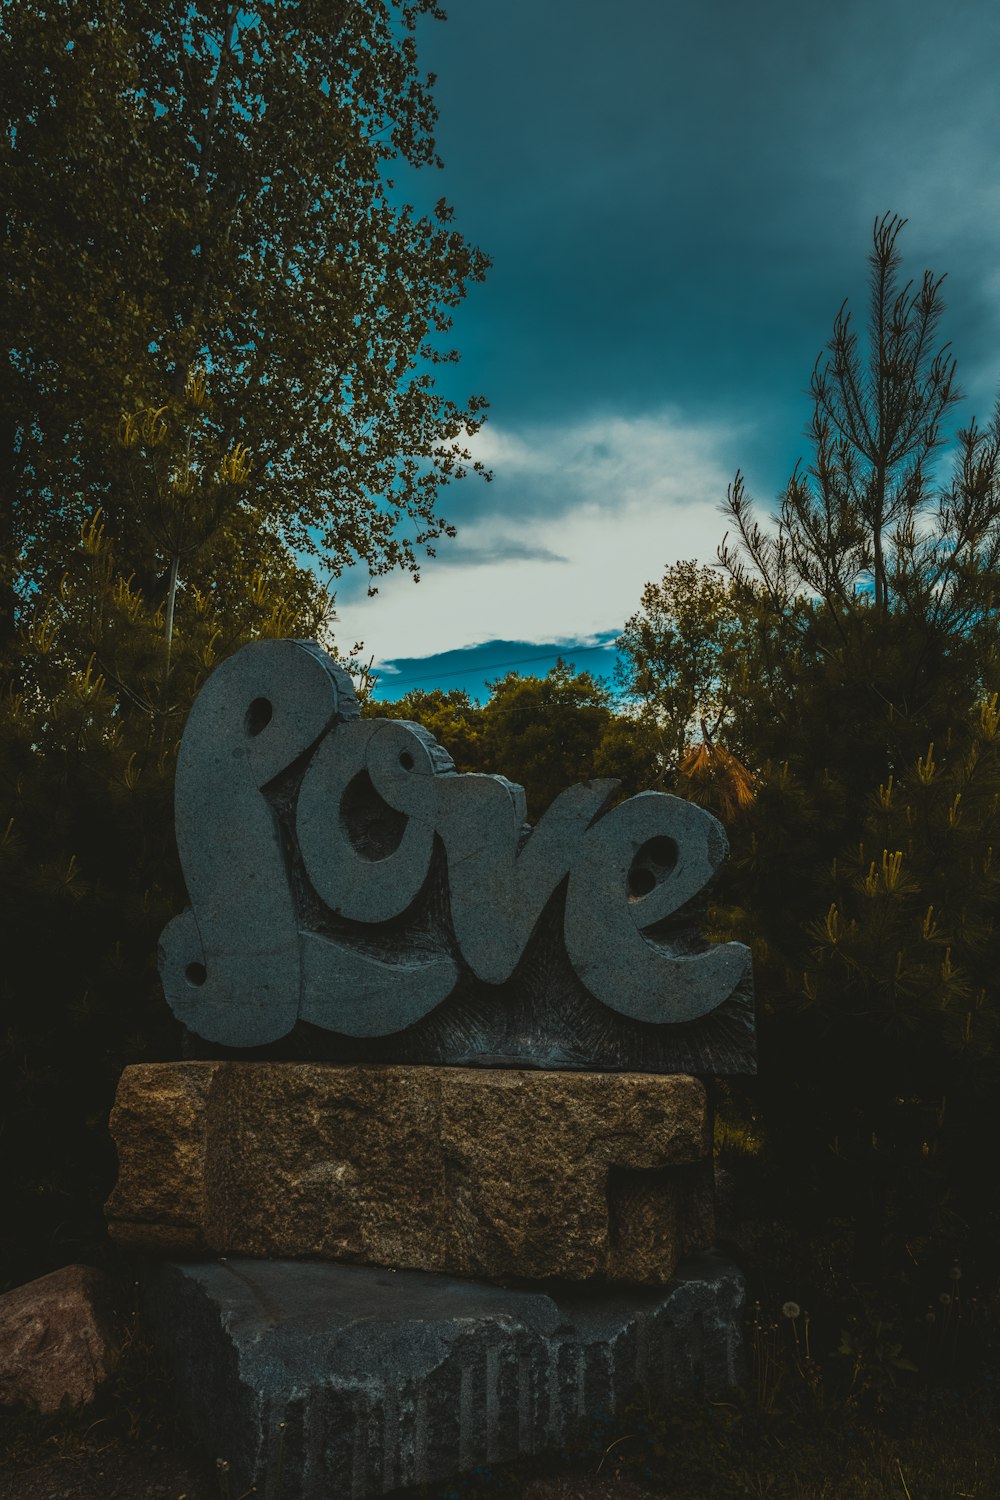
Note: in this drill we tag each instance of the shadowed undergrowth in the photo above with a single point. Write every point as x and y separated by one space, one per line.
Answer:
828 1413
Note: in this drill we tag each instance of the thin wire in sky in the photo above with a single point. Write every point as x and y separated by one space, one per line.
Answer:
494 666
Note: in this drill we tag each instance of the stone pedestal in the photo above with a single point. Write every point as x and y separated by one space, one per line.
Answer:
425 961
473 1172
348 1381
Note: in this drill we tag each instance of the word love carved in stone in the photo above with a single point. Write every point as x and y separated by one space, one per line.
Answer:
283 788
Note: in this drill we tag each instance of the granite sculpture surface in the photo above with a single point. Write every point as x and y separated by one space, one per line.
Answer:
349 889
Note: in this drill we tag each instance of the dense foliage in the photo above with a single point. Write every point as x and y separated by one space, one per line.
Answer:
220 329
545 733
845 672
204 186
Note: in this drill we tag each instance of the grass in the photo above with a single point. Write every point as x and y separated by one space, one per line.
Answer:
789 1439
884 1391
840 1429
729 1452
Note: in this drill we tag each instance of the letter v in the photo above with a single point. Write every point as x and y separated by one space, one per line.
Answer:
498 892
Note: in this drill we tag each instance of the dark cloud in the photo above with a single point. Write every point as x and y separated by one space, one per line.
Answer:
472 669
678 197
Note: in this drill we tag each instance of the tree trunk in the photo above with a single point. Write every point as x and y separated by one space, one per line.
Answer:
171 598
879 568
9 479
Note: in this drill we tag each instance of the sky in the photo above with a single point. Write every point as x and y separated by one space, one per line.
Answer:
676 195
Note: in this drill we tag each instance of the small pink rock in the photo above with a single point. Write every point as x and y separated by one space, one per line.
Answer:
59 1339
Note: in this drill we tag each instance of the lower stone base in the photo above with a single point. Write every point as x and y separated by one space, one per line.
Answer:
321 1380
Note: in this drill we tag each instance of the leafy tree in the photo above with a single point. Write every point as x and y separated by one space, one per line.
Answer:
191 187
628 749
548 732
88 866
681 657
221 330
451 716
545 733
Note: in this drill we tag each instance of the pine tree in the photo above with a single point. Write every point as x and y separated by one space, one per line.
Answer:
859 699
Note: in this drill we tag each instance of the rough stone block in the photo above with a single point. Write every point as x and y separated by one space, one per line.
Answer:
60 1338
354 1382
477 1172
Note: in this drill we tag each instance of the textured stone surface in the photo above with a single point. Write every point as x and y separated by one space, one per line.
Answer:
384 1380
473 1171
231 968
59 1339
351 890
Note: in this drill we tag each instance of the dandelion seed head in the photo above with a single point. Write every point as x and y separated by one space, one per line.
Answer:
945 1299
791 1309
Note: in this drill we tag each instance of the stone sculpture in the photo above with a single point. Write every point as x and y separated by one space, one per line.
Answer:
420 1039
348 885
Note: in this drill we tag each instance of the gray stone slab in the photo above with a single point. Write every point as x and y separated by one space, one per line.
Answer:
354 898
353 1381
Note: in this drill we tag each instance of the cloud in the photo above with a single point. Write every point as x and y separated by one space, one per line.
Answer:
462 554
582 516
606 459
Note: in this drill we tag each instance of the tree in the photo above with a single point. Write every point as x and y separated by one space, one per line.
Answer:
549 732
860 696
871 575
545 733
875 428
191 188
88 865
681 657
450 715
221 333
867 615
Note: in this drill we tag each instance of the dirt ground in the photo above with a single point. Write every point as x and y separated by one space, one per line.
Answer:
146 1472
154 1471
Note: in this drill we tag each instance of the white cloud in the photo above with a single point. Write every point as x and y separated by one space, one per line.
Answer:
581 518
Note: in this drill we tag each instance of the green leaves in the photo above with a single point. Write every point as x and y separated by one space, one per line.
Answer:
545 733
182 195
681 655
850 665
220 336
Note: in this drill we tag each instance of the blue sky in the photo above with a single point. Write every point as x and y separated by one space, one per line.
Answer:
676 198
